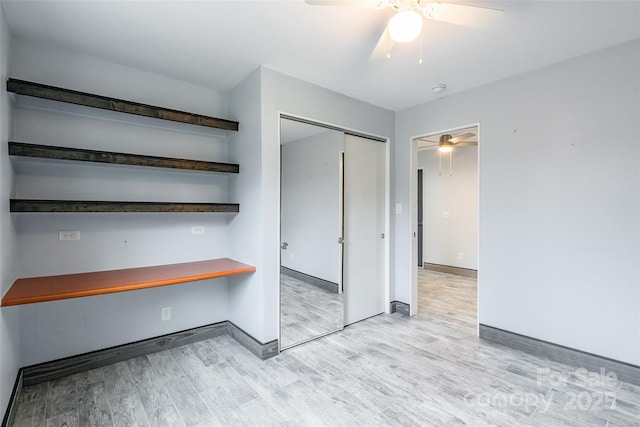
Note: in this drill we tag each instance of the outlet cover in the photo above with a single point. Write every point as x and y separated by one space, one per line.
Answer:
197 229
69 235
166 313
461 256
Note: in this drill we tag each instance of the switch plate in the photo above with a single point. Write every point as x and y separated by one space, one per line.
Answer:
398 208
197 229
165 314
69 235
445 215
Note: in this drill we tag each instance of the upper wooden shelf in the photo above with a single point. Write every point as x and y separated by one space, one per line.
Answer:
79 154
96 206
52 288
53 93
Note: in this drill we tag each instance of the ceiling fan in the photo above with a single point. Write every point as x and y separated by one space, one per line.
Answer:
446 143
406 24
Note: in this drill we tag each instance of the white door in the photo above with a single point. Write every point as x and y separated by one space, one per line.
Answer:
364 227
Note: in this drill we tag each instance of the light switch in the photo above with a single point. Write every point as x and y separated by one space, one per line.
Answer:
398 208
445 214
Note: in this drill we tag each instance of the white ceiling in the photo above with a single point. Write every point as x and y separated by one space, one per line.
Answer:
218 43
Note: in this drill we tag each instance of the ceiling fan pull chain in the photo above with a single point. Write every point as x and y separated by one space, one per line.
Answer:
420 55
440 161
450 163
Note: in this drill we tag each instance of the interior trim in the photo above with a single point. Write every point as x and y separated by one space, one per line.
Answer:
332 127
400 307
10 414
467 272
262 351
48 371
624 371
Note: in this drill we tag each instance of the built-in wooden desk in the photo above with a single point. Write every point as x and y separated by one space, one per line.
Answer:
51 288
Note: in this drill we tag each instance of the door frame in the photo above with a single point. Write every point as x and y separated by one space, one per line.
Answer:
420 213
387 219
413 214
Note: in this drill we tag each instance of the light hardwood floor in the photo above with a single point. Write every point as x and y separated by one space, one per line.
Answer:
389 370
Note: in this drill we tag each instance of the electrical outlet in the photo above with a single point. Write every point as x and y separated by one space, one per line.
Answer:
461 256
197 229
166 313
69 235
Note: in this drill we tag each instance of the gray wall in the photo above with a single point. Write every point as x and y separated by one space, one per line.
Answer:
311 209
111 241
9 316
559 199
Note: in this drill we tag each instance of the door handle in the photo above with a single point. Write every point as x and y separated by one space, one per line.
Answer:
340 240
382 236
284 246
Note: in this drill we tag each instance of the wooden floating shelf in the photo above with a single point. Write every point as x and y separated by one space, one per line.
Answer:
52 288
83 155
51 206
53 93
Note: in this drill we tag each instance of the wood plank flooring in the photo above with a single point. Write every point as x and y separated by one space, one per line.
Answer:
390 370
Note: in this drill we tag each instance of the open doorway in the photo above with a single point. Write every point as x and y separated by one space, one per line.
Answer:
447 224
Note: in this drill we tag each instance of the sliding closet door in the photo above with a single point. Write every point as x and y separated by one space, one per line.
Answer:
364 225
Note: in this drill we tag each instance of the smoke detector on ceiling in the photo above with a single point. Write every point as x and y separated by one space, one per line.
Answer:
439 88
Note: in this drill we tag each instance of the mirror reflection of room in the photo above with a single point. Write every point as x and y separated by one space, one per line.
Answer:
311 296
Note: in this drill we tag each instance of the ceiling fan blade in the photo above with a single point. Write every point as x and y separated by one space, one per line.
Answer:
461 137
467 143
383 47
352 3
469 16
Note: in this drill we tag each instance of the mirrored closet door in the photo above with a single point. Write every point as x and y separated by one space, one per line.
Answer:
311 297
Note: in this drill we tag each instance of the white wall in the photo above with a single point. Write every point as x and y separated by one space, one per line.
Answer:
110 241
10 358
559 199
445 238
311 205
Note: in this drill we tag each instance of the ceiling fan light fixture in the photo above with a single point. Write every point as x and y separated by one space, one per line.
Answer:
444 144
445 148
405 26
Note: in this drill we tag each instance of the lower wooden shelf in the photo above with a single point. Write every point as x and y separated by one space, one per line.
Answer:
51 206
52 288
